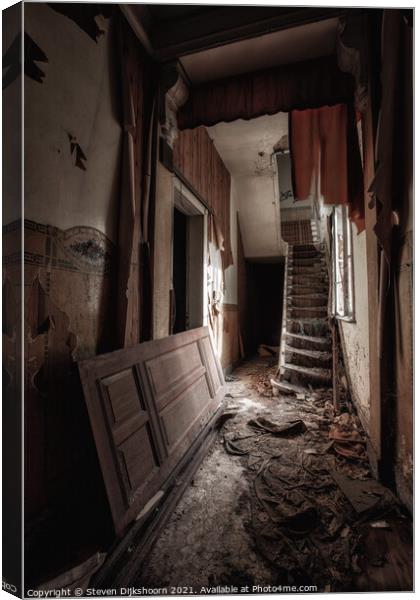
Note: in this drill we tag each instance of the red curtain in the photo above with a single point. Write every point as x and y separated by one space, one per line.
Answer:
307 84
325 140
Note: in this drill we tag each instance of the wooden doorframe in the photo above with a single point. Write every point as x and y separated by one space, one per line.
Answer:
187 203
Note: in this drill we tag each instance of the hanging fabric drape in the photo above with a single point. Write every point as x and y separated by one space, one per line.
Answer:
307 84
323 141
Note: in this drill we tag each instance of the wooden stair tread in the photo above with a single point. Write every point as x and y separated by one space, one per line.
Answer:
309 338
315 354
289 388
315 372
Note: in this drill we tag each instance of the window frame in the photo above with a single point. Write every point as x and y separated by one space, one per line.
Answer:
342 266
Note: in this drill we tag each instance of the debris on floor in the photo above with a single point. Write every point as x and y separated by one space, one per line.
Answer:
380 525
285 429
265 350
276 502
348 441
260 380
364 495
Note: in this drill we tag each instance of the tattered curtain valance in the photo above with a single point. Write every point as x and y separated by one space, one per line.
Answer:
324 141
306 84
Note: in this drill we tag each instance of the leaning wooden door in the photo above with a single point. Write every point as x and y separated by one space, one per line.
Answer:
146 405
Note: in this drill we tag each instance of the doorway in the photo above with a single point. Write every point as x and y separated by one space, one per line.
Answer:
264 304
179 270
188 261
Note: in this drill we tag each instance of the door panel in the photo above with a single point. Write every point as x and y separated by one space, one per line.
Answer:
137 459
167 373
181 414
132 436
146 405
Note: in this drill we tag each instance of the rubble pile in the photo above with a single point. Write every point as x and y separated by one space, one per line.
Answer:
312 493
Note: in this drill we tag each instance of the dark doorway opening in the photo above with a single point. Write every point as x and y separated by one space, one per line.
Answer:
265 283
180 272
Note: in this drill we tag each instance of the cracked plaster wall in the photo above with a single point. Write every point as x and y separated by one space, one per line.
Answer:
78 97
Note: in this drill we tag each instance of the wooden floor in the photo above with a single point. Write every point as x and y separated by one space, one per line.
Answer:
389 558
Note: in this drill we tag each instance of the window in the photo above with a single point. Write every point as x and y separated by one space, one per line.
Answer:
343 298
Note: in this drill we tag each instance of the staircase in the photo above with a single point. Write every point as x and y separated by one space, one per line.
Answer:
305 355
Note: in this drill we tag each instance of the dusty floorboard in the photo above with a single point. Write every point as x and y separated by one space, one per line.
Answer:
230 528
